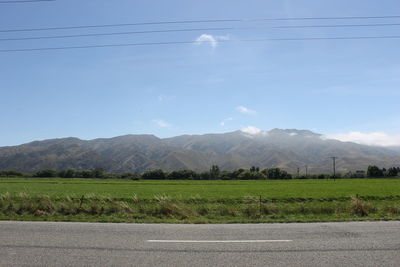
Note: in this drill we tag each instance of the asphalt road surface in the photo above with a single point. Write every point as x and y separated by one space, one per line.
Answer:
96 244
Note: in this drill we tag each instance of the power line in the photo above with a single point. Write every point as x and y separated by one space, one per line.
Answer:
194 21
25 1
199 42
197 29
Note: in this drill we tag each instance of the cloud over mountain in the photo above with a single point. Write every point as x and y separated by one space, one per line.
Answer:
372 139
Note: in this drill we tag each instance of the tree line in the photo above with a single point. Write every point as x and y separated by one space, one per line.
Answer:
254 173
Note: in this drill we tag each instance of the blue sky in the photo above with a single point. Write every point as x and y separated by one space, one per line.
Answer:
346 89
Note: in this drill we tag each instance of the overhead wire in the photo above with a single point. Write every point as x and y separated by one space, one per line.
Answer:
25 1
197 29
195 21
199 42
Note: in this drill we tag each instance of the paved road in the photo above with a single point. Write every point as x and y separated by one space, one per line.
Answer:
96 244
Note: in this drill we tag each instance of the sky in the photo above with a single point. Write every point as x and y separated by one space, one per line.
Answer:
344 89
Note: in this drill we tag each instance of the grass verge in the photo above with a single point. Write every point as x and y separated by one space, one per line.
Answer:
162 208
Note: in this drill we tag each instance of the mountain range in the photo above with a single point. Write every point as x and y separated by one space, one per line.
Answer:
288 149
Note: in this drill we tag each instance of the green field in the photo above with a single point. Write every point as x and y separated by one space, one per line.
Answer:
199 201
282 189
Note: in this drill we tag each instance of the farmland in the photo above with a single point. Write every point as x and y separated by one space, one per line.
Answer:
281 189
199 201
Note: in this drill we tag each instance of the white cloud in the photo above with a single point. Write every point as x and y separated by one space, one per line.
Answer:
222 123
162 124
373 139
210 39
251 130
245 110
163 98
207 38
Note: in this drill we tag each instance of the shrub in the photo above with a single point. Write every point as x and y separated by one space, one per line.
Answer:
5 196
95 209
45 204
203 210
225 211
359 207
171 210
393 209
161 198
268 209
251 211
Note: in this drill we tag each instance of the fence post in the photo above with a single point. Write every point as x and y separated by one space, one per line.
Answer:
81 202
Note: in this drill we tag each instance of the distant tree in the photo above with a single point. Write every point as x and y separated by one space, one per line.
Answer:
85 174
61 174
11 173
67 173
128 175
356 174
204 176
98 173
46 173
374 171
214 172
302 177
276 173
255 169
392 172
226 175
182 175
251 175
359 174
154 175
336 176
235 174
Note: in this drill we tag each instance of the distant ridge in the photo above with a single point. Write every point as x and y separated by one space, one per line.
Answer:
283 148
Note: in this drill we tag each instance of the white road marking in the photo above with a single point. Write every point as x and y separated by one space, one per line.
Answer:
217 241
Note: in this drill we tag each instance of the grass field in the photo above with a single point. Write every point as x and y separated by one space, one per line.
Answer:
199 201
282 189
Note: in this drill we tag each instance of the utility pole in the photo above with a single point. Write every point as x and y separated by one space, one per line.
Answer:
334 168
306 171
298 172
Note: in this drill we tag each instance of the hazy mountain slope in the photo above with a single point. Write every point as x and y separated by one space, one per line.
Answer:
288 149
56 154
